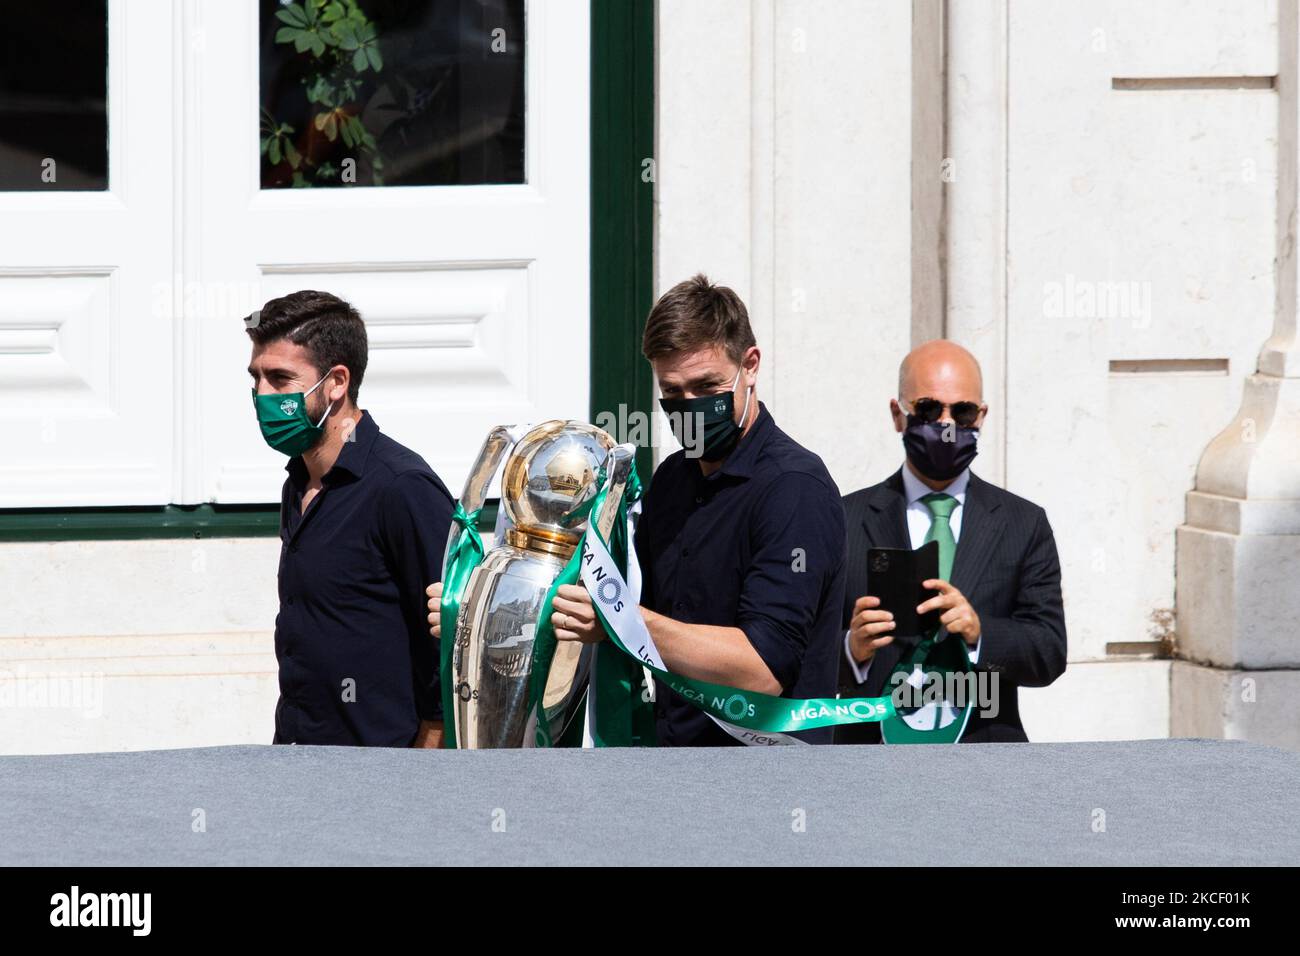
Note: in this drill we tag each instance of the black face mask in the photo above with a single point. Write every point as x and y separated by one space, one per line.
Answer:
719 431
932 455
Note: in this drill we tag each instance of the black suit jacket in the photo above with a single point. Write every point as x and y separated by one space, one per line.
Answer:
1006 566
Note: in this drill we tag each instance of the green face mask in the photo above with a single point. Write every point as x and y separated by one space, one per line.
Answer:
284 421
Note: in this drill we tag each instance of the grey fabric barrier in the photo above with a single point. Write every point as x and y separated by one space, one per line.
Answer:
1164 802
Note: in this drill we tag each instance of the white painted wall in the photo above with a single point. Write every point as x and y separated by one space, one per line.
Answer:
1168 194
137 645
773 182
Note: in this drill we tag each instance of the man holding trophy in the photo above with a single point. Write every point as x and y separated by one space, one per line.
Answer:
741 539
740 543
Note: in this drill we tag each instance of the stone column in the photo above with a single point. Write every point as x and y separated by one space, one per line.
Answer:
1238 554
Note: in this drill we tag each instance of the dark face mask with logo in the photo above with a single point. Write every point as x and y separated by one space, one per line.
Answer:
939 450
716 416
283 418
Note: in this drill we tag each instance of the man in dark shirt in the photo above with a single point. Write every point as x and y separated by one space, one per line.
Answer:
741 537
363 527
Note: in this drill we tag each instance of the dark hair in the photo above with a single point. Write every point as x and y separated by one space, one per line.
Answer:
327 327
696 314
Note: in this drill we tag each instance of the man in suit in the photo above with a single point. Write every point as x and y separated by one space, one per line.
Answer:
1002 595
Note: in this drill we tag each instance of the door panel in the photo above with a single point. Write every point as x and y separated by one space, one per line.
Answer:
87 399
475 296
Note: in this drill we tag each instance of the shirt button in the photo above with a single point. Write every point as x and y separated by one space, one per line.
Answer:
288 600
685 552
699 499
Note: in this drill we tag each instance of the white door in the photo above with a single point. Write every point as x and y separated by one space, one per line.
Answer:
122 345
87 386
469 264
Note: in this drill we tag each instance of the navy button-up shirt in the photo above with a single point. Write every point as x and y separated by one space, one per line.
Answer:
757 545
357 663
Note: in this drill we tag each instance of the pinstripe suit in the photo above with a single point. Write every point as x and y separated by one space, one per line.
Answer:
1005 565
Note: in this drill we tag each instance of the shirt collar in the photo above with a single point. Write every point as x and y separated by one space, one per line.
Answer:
915 489
352 456
740 462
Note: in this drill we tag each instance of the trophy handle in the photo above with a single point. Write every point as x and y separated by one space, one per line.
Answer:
618 469
571 666
480 476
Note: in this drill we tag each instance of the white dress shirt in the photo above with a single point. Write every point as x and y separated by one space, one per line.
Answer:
918 526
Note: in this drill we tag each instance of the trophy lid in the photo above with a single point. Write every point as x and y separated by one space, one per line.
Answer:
551 476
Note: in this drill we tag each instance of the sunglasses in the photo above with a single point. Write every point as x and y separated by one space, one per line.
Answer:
930 410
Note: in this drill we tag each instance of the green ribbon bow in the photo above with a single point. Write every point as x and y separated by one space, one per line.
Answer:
465 555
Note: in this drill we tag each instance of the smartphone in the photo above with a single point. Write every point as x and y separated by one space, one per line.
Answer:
894 575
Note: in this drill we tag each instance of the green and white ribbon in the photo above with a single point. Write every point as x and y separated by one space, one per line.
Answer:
465 552
937 720
462 558
618 711
751 717
620 695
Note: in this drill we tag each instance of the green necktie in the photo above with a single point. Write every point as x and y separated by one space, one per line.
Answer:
941 508
932 655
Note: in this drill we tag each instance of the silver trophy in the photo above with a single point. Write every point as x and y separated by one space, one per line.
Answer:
547 486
